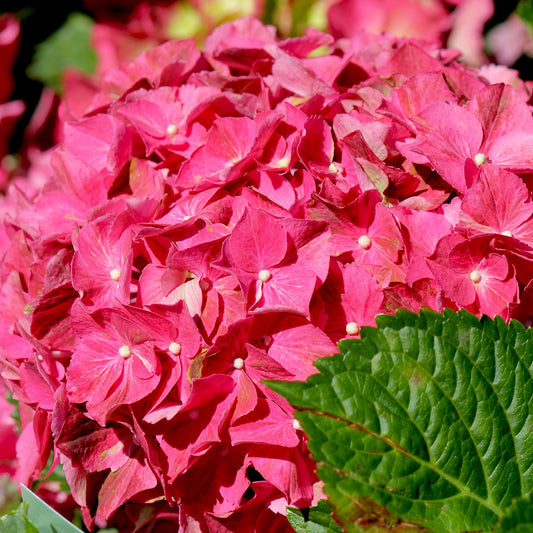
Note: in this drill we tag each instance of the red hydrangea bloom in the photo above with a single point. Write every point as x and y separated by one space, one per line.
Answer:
101 265
272 270
498 202
474 276
113 362
211 219
495 126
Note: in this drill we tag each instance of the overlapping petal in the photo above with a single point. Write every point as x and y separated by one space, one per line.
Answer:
216 218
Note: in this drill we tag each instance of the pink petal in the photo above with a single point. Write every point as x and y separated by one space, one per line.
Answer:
258 242
497 201
452 135
266 424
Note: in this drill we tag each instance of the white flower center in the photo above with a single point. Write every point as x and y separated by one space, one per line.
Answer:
283 162
115 274
124 351
475 276
238 363
174 347
333 168
296 425
172 129
352 328
507 233
480 158
364 242
264 275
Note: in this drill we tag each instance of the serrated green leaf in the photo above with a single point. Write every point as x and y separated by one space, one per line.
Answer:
67 47
317 519
426 419
46 519
17 521
518 518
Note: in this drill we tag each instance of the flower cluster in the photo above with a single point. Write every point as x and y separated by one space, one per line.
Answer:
214 219
457 24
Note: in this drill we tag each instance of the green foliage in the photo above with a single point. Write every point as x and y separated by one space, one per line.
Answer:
186 23
319 519
57 475
424 421
9 495
518 518
15 415
524 10
294 17
46 519
67 47
308 14
17 521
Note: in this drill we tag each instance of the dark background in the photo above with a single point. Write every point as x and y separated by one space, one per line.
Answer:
38 20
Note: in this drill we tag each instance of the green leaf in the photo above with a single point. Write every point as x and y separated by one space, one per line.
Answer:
9 495
67 47
518 518
306 14
57 475
46 519
524 10
17 521
319 519
426 419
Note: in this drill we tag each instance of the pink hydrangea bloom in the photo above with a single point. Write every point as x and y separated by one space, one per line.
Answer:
211 219
474 276
495 126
